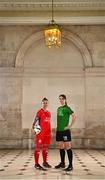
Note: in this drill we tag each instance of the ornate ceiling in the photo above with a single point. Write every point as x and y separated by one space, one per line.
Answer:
46 4
65 11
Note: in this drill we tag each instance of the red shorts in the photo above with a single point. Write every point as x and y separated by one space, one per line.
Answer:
45 139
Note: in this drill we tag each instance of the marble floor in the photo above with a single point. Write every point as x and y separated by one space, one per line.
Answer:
19 164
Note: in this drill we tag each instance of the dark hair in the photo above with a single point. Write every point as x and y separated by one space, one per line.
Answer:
44 99
64 97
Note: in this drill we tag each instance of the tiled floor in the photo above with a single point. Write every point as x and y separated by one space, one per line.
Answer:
18 164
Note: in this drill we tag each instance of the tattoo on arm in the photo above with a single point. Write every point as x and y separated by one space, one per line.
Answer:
36 122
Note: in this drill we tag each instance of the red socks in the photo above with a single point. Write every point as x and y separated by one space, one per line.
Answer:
36 155
44 153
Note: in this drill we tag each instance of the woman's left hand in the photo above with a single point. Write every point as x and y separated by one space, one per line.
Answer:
67 127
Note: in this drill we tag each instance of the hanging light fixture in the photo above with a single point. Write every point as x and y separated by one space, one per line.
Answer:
52 32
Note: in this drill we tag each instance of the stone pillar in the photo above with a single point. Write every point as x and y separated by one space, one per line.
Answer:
10 108
95 108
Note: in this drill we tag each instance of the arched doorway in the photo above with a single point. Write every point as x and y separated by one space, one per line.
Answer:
50 72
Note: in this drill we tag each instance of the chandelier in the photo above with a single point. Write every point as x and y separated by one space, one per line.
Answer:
52 32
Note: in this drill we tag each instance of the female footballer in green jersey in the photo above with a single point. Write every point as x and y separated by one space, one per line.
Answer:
63 133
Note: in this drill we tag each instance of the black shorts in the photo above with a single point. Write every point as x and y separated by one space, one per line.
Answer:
63 135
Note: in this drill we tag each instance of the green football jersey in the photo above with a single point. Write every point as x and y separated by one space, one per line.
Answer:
63 115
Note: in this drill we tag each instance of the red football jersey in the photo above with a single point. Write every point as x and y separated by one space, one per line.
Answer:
44 121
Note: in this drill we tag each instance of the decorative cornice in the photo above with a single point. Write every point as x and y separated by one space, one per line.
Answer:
86 20
46 5
15 12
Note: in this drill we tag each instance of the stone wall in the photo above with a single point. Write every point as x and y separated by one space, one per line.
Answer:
29 71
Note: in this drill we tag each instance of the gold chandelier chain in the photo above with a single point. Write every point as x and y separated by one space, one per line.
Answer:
52 11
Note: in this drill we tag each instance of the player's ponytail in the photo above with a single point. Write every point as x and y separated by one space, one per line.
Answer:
64 97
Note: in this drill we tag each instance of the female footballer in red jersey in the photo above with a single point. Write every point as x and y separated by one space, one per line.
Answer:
42 139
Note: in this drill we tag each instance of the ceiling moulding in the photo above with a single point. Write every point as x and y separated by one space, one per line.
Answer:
59 5
86 20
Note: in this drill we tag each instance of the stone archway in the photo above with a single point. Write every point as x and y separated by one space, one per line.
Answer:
65 34
52 82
